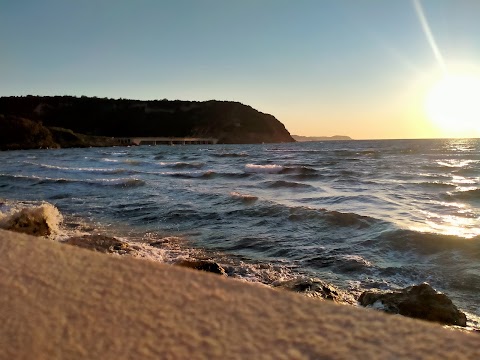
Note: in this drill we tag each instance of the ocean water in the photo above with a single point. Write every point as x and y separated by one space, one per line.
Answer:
359 214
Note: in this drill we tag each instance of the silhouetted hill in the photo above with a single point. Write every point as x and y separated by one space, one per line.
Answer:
230 122
321 138
19 133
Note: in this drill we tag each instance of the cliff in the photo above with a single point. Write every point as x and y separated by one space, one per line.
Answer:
230 122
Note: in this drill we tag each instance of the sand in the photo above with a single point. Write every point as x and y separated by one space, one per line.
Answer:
62 302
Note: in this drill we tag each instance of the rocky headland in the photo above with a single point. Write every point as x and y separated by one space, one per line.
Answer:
64 121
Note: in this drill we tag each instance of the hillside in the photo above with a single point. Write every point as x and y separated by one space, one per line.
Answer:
229 122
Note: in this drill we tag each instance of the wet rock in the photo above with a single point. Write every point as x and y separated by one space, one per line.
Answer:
418 301
316 288
203 265
100 243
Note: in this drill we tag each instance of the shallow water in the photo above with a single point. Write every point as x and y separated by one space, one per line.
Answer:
360 214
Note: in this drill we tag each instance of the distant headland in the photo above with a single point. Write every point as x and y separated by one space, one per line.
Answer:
321 138
30 122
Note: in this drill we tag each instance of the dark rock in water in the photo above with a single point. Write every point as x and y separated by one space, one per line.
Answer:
418 301
100 243
315 288
203 265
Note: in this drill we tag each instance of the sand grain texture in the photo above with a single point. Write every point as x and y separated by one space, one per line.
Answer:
63 302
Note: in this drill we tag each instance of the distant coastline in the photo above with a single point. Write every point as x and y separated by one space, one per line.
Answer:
321 138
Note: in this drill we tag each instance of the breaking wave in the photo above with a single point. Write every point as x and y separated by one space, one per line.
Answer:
269 169
82 170
473 194
38 220
243 197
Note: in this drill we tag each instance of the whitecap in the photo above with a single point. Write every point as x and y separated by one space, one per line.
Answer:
243 197
268 169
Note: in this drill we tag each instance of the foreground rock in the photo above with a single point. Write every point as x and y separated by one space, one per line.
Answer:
100 243
203 265
315 288
418 301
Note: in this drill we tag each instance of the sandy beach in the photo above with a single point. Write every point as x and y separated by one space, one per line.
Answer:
62 302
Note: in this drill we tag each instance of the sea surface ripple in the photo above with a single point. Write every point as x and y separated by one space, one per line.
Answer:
361 214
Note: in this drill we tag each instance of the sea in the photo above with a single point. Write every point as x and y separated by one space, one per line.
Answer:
362 215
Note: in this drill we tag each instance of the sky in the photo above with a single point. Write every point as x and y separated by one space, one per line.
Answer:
362 68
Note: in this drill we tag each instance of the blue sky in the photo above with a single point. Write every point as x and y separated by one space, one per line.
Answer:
322 67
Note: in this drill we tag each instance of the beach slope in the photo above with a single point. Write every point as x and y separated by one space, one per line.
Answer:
62 302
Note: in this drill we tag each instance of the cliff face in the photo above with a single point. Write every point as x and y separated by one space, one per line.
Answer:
230 122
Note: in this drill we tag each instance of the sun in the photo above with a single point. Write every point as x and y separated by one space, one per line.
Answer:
453 105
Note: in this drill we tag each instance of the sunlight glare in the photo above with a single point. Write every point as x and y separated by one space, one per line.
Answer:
453 104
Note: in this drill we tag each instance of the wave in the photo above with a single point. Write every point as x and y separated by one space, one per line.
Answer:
457 163
243 197
332 217
300 170
194 175
472 194
124 183
135 162
120 182
38 179
132 162
266 169
428 243
343 263
83 170
340 199
38 220
20 177
230 155
304 214
436 184
234 175
287 184
182 165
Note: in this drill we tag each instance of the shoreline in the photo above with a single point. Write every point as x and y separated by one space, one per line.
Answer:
47 223
61 301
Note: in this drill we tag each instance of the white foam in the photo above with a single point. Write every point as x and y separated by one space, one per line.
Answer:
244 197
269 169
94 170
27 218
126 182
